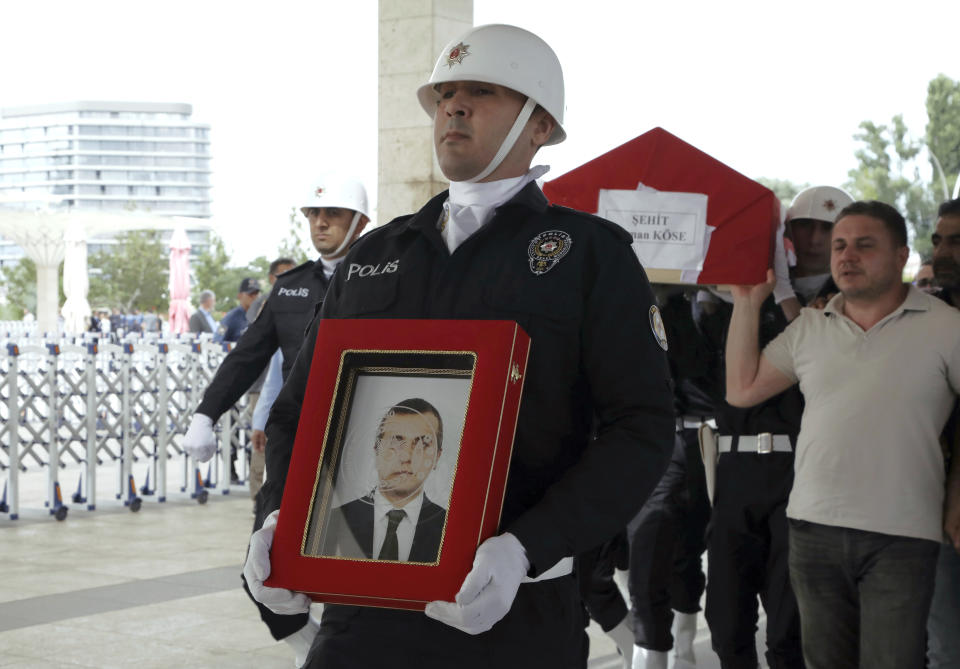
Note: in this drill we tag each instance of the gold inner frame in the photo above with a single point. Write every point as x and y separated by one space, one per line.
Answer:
324 477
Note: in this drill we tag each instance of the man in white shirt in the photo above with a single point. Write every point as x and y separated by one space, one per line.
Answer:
866 507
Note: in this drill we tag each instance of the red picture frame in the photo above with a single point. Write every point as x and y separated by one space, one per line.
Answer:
473 371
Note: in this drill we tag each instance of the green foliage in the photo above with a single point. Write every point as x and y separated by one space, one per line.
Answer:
20 283
212 270
784 189
943 131
293 245
889 170
134 274
890 158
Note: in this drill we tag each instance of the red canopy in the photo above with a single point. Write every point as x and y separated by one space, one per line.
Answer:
744 213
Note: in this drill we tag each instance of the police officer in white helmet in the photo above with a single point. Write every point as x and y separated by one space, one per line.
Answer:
336 209
595 427
809 224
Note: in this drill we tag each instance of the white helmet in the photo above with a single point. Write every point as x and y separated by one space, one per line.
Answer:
341 193
820 203
506 56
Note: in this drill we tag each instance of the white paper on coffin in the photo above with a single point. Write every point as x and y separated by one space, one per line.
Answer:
669 229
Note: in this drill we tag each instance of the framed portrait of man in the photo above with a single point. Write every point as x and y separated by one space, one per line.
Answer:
400 459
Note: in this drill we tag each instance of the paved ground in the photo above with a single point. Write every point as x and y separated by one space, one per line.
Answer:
158 588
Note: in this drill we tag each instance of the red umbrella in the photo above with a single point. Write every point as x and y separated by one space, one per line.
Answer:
744 213
179 314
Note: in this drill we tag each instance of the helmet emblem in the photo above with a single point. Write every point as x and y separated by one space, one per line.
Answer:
319 190
457 54
829 205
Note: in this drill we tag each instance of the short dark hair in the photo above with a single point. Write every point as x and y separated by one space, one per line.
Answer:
891 218
949 208
413 407
272 270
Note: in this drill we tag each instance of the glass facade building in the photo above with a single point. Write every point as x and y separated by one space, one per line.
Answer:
106 156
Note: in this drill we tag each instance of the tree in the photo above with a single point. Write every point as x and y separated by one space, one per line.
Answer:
943 132
889 170
212 271
20 284
293 245
784 189
134 274
890 159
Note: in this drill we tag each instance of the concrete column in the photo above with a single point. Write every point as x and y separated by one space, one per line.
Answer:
48 296
412 33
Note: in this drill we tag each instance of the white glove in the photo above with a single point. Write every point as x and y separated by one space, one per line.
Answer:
200 441
489 589
256 570
783 290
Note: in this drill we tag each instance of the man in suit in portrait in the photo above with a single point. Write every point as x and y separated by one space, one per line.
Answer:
395 521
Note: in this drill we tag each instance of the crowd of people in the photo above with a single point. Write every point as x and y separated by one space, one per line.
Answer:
812 453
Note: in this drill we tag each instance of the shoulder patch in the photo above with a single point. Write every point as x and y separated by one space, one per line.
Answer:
657 326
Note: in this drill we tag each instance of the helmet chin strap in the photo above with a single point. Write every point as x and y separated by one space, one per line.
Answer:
508 141
346 239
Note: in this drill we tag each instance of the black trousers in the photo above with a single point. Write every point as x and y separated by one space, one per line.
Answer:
599 591
666 543
747 558
544 628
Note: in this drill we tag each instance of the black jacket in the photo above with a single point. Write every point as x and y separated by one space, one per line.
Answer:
593 357
281 324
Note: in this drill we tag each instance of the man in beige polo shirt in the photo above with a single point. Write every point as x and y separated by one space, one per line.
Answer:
879 369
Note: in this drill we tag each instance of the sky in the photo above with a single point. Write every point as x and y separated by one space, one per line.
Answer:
773 89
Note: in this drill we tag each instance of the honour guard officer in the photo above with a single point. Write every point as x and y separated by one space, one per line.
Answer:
337 213
666 538
493 248
747 536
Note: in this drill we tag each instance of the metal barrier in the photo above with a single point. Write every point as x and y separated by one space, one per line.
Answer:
99 402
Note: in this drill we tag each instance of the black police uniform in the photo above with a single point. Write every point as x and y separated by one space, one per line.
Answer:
667 536
747 535
281 324
593 356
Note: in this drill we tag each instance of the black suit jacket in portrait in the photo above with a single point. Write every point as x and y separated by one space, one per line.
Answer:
350 531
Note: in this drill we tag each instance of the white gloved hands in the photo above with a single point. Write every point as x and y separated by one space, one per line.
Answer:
784 289
200 442
488 590
256 570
